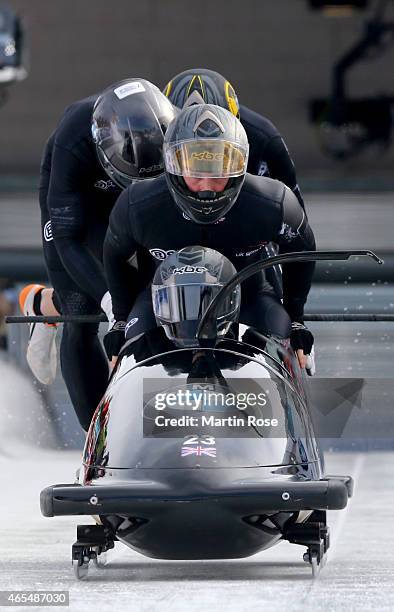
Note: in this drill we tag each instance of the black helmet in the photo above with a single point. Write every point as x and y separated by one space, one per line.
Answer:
201 86
183 287
128 125
205 141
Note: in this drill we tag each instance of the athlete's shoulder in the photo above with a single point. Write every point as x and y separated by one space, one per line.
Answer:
75 124
149 191
264 188
256 124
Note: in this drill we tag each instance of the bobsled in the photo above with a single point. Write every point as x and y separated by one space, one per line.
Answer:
205 452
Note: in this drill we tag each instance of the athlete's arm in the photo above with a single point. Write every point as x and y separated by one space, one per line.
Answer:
295 234
281 166
119 246
69 225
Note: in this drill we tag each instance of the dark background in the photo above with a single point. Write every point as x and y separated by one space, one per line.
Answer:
277 53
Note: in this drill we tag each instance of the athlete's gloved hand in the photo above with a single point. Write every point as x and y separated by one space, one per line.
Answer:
114 339
106 306
301 340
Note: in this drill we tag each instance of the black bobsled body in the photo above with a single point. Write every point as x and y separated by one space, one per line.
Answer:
211 490
230 481
233 479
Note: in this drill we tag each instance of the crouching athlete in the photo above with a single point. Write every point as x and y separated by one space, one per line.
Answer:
207 198
101 145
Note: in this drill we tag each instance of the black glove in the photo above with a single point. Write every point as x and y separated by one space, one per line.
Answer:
114 339
301 338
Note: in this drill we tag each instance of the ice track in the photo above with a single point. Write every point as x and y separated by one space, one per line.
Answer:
35 552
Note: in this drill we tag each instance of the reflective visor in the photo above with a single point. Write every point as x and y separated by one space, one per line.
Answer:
176 303
206 157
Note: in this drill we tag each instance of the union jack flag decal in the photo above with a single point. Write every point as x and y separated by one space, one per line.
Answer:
198 450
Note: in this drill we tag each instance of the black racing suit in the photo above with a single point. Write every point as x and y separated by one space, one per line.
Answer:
146 219
76 198
268 153
270 157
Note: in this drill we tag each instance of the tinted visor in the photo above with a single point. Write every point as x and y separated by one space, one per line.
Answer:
206 157
177 303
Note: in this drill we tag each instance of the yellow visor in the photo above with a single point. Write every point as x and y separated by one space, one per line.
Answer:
206 157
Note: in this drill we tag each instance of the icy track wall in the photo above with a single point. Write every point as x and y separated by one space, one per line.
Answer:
23 418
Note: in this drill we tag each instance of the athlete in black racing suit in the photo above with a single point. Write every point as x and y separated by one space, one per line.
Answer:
76 197
204 199
268 153
101 144
145 217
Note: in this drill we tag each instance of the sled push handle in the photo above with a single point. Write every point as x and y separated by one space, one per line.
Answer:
321 317
352 317
98 318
